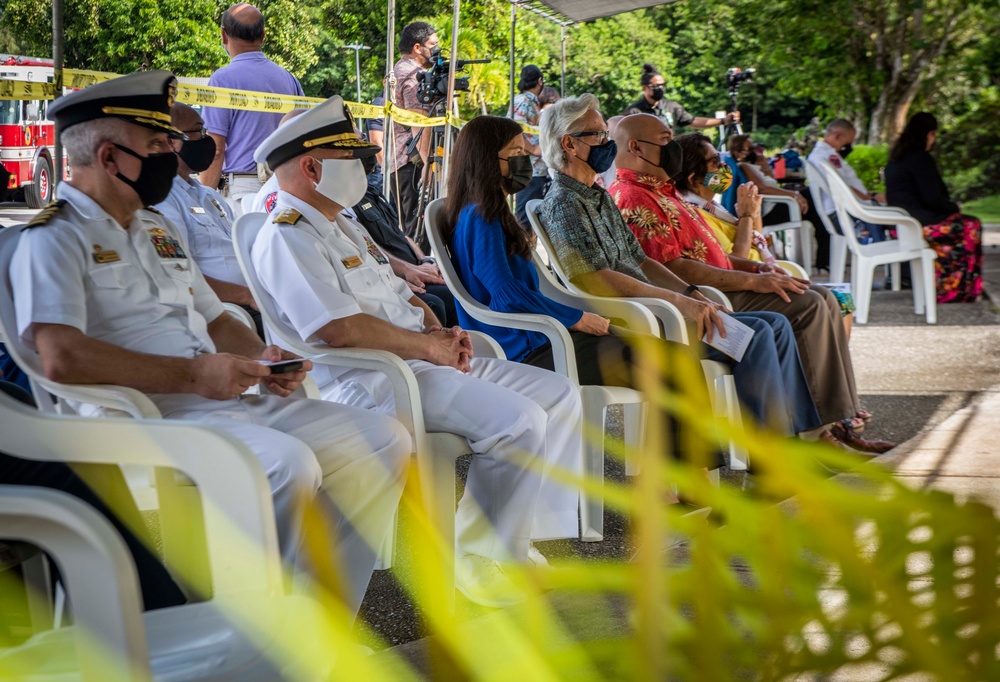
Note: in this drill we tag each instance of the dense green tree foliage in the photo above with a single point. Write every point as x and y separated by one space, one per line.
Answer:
874 61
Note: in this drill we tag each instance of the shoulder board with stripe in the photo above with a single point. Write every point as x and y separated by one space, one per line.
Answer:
152 210
288 217
46 214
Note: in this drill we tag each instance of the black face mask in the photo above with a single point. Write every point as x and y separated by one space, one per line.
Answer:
369 163
198 154
671 157
155 177
657 93
751 157
845 151
520 174
435 52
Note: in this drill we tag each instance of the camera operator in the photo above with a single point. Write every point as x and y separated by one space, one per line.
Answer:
418 44
527 109
676 116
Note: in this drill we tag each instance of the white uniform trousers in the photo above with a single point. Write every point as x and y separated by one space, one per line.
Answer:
238 187
359 460
505 410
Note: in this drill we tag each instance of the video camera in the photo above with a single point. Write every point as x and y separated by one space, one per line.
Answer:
736 76
434 82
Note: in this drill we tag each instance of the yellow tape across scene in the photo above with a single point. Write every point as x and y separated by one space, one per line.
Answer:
225 98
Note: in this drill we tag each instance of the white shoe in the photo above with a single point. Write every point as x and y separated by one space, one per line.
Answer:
484 582
536 558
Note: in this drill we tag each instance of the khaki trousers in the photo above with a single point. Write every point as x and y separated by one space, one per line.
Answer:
822 341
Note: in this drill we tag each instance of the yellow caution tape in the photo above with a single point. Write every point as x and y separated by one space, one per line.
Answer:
226 98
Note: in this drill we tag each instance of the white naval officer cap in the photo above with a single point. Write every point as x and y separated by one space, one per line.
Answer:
327 126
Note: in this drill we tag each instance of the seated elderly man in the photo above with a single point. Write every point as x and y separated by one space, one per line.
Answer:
601 255
671 232
334 286
203 216
106 293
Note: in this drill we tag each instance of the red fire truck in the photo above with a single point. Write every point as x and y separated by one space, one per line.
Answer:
26 136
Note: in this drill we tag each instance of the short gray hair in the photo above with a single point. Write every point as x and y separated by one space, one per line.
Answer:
82 140
838 124
562 118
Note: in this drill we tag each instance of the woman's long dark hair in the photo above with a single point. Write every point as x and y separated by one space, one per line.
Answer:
475 179
693 148
914 135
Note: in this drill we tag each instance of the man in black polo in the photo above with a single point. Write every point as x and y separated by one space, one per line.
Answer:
676 116
381 219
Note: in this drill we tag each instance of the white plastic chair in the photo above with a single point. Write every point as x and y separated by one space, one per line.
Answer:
719 376
596 399
802 236
908 247
175 495
838 243
435 452
191 642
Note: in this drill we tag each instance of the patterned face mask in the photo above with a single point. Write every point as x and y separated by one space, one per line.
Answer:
720 180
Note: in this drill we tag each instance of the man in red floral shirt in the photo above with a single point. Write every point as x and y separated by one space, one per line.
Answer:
671 232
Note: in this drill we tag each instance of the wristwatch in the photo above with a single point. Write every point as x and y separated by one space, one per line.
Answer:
428 260
691 289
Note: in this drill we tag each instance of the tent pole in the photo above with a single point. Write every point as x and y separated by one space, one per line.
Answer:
445 162
562 76
388 92
57 68
513 27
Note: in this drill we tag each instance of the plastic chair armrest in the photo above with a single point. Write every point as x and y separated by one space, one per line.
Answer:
121 398
715 295
674 326
239 515
97 571
793 269
485 346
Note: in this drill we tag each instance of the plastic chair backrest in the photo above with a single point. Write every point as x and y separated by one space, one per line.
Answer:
245 232
819 188
24 357
432 218
846 202
534 208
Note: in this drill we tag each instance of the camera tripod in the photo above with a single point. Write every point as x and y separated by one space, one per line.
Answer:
429 187
734 128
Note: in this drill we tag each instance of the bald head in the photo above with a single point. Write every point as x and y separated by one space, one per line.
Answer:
290 115
242 29
638 138
184 117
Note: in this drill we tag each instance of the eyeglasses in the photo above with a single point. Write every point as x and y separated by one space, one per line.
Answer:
602 135
200 132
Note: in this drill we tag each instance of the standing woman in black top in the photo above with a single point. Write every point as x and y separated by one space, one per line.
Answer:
912 182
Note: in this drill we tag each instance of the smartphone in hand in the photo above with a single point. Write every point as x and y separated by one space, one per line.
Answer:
283 366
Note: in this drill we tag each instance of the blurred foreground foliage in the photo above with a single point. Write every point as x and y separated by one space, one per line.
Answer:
858 575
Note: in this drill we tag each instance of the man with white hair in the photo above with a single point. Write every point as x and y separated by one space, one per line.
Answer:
835 147
602 256
106 293
332 283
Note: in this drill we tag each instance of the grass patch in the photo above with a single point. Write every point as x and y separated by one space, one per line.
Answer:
986 209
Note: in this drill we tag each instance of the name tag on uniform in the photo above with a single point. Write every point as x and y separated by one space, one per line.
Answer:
198 210
102 256
351 262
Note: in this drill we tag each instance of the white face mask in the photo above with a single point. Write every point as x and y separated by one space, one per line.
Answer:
343 182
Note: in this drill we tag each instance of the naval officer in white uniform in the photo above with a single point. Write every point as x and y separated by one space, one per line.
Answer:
202 216
334 286
106 293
